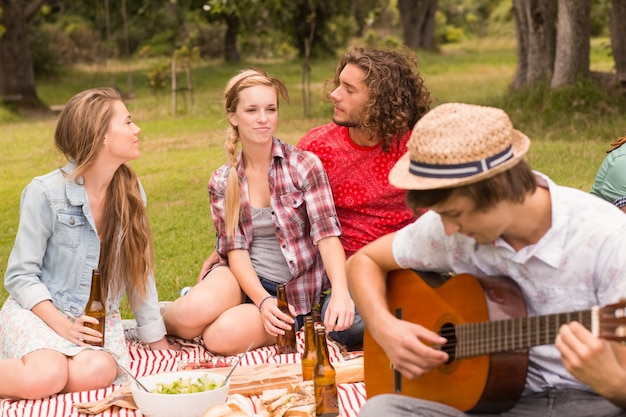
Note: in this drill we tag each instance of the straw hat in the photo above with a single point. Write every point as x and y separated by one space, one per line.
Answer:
456 144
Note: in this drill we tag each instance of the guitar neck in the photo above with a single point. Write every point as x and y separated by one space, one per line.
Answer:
475 339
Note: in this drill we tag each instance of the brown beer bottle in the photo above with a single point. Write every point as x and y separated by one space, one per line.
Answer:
309 356
286 342
96 307
326 399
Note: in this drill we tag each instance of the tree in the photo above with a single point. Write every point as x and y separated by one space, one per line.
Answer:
618 34
231 49
553 41
251 16
306 61
573 41
535 24
17 77
2 29
418 22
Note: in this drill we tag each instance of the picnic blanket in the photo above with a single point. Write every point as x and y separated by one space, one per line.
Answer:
148 362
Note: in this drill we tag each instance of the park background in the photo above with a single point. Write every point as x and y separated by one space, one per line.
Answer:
474 58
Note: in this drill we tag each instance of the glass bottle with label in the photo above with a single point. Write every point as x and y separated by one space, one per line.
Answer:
96 306
309 356
286 342
324 382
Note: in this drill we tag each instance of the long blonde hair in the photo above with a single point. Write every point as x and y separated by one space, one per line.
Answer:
247 78
126 250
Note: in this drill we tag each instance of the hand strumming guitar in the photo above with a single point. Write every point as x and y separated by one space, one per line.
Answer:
411 348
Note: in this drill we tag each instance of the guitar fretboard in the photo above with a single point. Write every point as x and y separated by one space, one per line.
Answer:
475 339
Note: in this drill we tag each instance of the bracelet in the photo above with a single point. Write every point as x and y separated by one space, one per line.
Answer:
263 300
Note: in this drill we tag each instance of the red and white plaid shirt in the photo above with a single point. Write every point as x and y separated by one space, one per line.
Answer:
304 213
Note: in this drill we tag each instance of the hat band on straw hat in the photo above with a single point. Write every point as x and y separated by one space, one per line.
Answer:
463 170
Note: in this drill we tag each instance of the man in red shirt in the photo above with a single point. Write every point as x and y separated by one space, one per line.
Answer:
378 96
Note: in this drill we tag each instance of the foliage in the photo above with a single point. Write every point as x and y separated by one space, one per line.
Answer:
8 116
278 28
198 33
600 10
78 30
337 31
585 102
373 39
367 13
333 23
501 20
158 76
74 40
458 20
160 44
2 28
261 24
472 16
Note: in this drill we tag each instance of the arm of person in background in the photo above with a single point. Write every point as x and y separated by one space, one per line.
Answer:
599 363
609 182
620 203
406 344
164 344
340 311
150 325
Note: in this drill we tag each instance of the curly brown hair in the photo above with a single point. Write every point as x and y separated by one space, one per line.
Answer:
398 97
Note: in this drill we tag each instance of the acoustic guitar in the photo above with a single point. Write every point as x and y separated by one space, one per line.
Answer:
484 320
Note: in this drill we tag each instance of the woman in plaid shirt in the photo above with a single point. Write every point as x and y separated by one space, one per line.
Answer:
275 221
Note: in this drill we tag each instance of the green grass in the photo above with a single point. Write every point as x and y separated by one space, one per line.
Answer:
570 132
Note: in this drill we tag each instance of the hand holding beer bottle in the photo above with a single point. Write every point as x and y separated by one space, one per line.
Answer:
96 307
286 342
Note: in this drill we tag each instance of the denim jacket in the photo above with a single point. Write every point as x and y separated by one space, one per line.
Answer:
56 249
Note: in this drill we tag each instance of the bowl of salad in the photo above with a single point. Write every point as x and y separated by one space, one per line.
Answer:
180 394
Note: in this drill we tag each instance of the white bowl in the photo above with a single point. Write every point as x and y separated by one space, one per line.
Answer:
178 405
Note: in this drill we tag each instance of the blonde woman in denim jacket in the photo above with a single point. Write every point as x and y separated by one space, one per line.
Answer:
89 214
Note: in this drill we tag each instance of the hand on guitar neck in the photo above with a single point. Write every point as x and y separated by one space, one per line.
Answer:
596 362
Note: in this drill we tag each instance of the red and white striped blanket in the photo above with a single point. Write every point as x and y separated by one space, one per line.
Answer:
148 362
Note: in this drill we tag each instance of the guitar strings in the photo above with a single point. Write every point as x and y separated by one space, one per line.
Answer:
474 339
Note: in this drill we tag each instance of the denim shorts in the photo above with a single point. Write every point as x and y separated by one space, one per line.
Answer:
270 287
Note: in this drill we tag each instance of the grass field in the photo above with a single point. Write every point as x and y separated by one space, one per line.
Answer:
570 134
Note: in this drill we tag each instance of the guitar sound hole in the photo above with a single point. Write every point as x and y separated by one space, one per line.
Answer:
448 331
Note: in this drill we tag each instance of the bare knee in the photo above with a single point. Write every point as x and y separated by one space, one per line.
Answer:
185 319
91 370
37 375
189 315
189 310
234 330
220 337
44 382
